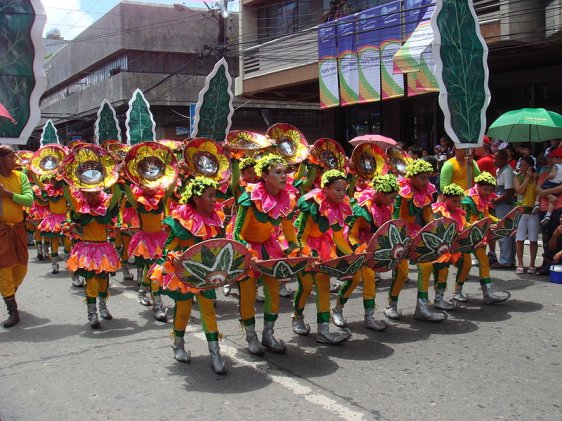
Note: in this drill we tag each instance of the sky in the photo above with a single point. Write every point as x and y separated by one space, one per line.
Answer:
73 16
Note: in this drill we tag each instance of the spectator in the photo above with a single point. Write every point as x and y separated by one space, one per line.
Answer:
456 170
434 177
504 204
485 160
525 184
415 152
511 156
525 150
447 147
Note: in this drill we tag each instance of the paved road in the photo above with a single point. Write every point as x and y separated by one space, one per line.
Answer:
485 362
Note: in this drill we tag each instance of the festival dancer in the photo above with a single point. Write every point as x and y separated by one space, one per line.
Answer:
477 203
262 208
372 209
320 228
451 208
413 205
15 193
198 217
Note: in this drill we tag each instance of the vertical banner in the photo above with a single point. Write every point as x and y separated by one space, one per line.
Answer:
328 66
368 56
390 41
347 61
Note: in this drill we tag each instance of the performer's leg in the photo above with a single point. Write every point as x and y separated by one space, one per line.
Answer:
463 269
423 312
345 292
182 311
369 293
103 285
209 322
55 255
271 311
441 273
322 284
92 291
247 302
144 282
67 244
10 279
160 310
490 297
399 277
125 240
305 282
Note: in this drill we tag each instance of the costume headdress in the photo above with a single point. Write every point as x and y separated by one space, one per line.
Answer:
90 168
289 142
398 160
330 176
485 179
328 154
207 158
387 183
419 166
151 165
268 161
196 187
453 190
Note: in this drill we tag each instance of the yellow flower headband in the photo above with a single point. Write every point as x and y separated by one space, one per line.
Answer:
387 183
268 161
419 166
196 187
453 190
485 178
247 162
330 176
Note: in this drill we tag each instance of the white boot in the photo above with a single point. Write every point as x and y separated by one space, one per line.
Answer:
423 312
337 317
104 311
372 323
441 303
491 297
254 345
269 341
180 354
160 309
332 338
93 316
392 312
217 361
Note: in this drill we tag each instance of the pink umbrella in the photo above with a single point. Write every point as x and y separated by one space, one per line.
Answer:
5 113
381 141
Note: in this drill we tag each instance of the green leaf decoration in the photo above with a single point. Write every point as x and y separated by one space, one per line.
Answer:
431 240
196 269
224 259
207 257
450 234
107 125
213 112
461 70
140 122
475 235
49 134
394 236
282 270
356 265
22 77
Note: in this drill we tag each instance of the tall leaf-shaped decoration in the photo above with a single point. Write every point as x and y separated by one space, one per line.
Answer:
107 125
213 112
461 70
49 134
140 122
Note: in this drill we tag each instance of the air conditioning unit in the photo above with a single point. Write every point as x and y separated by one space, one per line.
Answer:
553 17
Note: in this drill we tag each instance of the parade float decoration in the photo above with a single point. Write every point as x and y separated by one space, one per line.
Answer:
107 125
139 121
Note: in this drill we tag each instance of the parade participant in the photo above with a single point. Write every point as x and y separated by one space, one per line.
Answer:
413 205
198 217
262 208
39 211
449 208
373 208
152 170
89 171
477 203
460 170
15 193
320 228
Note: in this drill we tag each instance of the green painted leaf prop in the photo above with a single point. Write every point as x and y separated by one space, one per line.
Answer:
470 238
389 244
140 122
508 224
285 268
49 134
213 112
461 70
22 78
433 241
107 125
344 267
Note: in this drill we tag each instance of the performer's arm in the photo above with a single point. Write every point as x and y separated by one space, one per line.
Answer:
358 225
341 243
240 224
25 198
289 231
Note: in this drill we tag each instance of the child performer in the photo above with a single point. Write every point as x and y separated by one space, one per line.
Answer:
477 204
321 221
262 208
198 217
413 205
449 208
373 209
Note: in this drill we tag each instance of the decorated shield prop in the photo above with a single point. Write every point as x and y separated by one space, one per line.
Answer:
344 267
398 160
244 140
369 160
151 165
90 168
389 244
329 154
508 224
470 238
23 158
289 142
433 241
47 159
212 263
284 269
207 158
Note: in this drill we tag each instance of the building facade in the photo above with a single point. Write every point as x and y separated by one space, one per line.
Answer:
279 60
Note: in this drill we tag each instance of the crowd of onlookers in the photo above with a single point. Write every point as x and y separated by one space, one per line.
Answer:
528 175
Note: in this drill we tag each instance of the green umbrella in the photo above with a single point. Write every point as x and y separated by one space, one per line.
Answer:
527 125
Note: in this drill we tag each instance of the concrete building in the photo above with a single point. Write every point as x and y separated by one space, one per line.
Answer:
166 51
279 60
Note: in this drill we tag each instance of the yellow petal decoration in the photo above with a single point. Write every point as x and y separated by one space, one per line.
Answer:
329 154
151 165
90 168
207 158
369 160
47 159
290 143
244 140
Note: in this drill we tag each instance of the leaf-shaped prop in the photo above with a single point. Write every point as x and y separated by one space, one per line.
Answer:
140 122
389 244
344 267
49 134
213 112
461 70
470 238
107 125
285 268
22 78
508 224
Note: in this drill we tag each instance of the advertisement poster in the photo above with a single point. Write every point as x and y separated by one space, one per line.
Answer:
368 54
347 61
328 66
390 36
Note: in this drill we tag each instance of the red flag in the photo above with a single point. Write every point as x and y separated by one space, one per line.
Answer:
5 113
